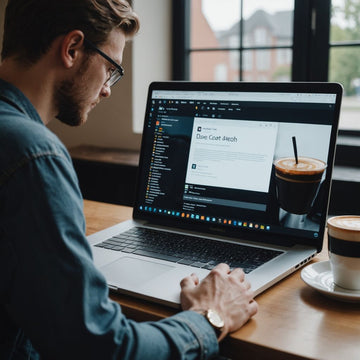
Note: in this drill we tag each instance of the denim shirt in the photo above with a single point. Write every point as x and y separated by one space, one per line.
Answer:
54 302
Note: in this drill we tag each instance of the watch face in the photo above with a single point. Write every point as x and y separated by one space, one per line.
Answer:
215 319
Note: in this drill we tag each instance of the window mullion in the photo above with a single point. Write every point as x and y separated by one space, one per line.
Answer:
320 36
241 42
301 40
180 39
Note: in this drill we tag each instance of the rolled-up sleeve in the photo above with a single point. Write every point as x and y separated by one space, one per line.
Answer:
56 294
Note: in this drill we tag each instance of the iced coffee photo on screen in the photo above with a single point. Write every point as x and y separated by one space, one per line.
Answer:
300 164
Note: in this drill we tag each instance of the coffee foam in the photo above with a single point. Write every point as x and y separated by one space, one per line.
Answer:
305 166
345 227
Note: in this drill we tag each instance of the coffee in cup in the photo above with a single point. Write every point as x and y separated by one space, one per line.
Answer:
344 250
297 183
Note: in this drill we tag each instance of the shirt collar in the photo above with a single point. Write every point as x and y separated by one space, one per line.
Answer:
21 102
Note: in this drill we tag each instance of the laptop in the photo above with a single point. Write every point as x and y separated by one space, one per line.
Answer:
217 183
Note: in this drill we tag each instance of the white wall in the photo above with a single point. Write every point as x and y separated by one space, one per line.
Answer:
151 56
146 58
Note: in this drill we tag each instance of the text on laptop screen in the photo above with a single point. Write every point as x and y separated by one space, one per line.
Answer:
228 158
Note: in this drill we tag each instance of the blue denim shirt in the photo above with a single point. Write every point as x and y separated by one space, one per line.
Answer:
53 300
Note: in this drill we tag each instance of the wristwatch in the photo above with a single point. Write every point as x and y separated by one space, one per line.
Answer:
215 320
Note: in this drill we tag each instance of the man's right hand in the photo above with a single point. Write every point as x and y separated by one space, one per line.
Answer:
224 291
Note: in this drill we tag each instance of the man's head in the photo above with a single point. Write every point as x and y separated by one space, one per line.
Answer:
32 25
88 37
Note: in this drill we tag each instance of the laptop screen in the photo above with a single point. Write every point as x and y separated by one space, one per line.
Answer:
240 158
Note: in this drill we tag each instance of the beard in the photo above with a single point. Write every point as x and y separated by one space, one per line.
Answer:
71 99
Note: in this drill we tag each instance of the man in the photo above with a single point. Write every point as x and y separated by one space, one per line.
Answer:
59 59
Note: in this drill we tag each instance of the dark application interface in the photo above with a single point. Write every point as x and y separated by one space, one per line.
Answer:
212 160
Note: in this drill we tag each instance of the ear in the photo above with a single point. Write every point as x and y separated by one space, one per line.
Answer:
71 46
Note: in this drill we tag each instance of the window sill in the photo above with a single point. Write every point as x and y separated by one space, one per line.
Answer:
348 151
345 191
346 173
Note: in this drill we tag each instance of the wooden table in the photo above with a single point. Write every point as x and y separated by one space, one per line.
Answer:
293 322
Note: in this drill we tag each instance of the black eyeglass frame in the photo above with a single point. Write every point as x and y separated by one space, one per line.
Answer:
117 74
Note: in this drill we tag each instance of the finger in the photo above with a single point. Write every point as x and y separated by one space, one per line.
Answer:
189 281
247 285
253 308
222 267
195 278
238 274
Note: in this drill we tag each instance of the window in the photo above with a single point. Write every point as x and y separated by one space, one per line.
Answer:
278 40
246 35
261 35
263 60
220 72
248 61
345 58
283 56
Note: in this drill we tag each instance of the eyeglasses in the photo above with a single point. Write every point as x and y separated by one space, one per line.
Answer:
117 73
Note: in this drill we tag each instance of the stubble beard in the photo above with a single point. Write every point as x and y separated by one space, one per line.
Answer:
70 99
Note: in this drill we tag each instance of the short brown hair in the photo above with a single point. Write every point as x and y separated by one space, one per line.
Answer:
32 25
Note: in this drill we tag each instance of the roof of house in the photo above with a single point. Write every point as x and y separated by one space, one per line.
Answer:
279 24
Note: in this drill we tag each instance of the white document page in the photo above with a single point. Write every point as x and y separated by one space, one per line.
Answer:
232 154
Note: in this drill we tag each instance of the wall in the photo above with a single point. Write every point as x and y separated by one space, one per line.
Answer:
110 123
151 55
2 11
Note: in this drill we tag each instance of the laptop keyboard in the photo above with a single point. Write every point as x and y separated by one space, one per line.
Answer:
188 250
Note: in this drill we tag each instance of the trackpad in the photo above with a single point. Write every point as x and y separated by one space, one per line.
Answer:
128 272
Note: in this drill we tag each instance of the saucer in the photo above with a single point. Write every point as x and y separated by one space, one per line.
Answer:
319 277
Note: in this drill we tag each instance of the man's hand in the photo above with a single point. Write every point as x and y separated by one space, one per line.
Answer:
222 290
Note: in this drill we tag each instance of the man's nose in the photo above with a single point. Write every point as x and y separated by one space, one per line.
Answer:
105 91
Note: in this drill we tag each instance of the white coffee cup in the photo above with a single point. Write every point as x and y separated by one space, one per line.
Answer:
344 250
